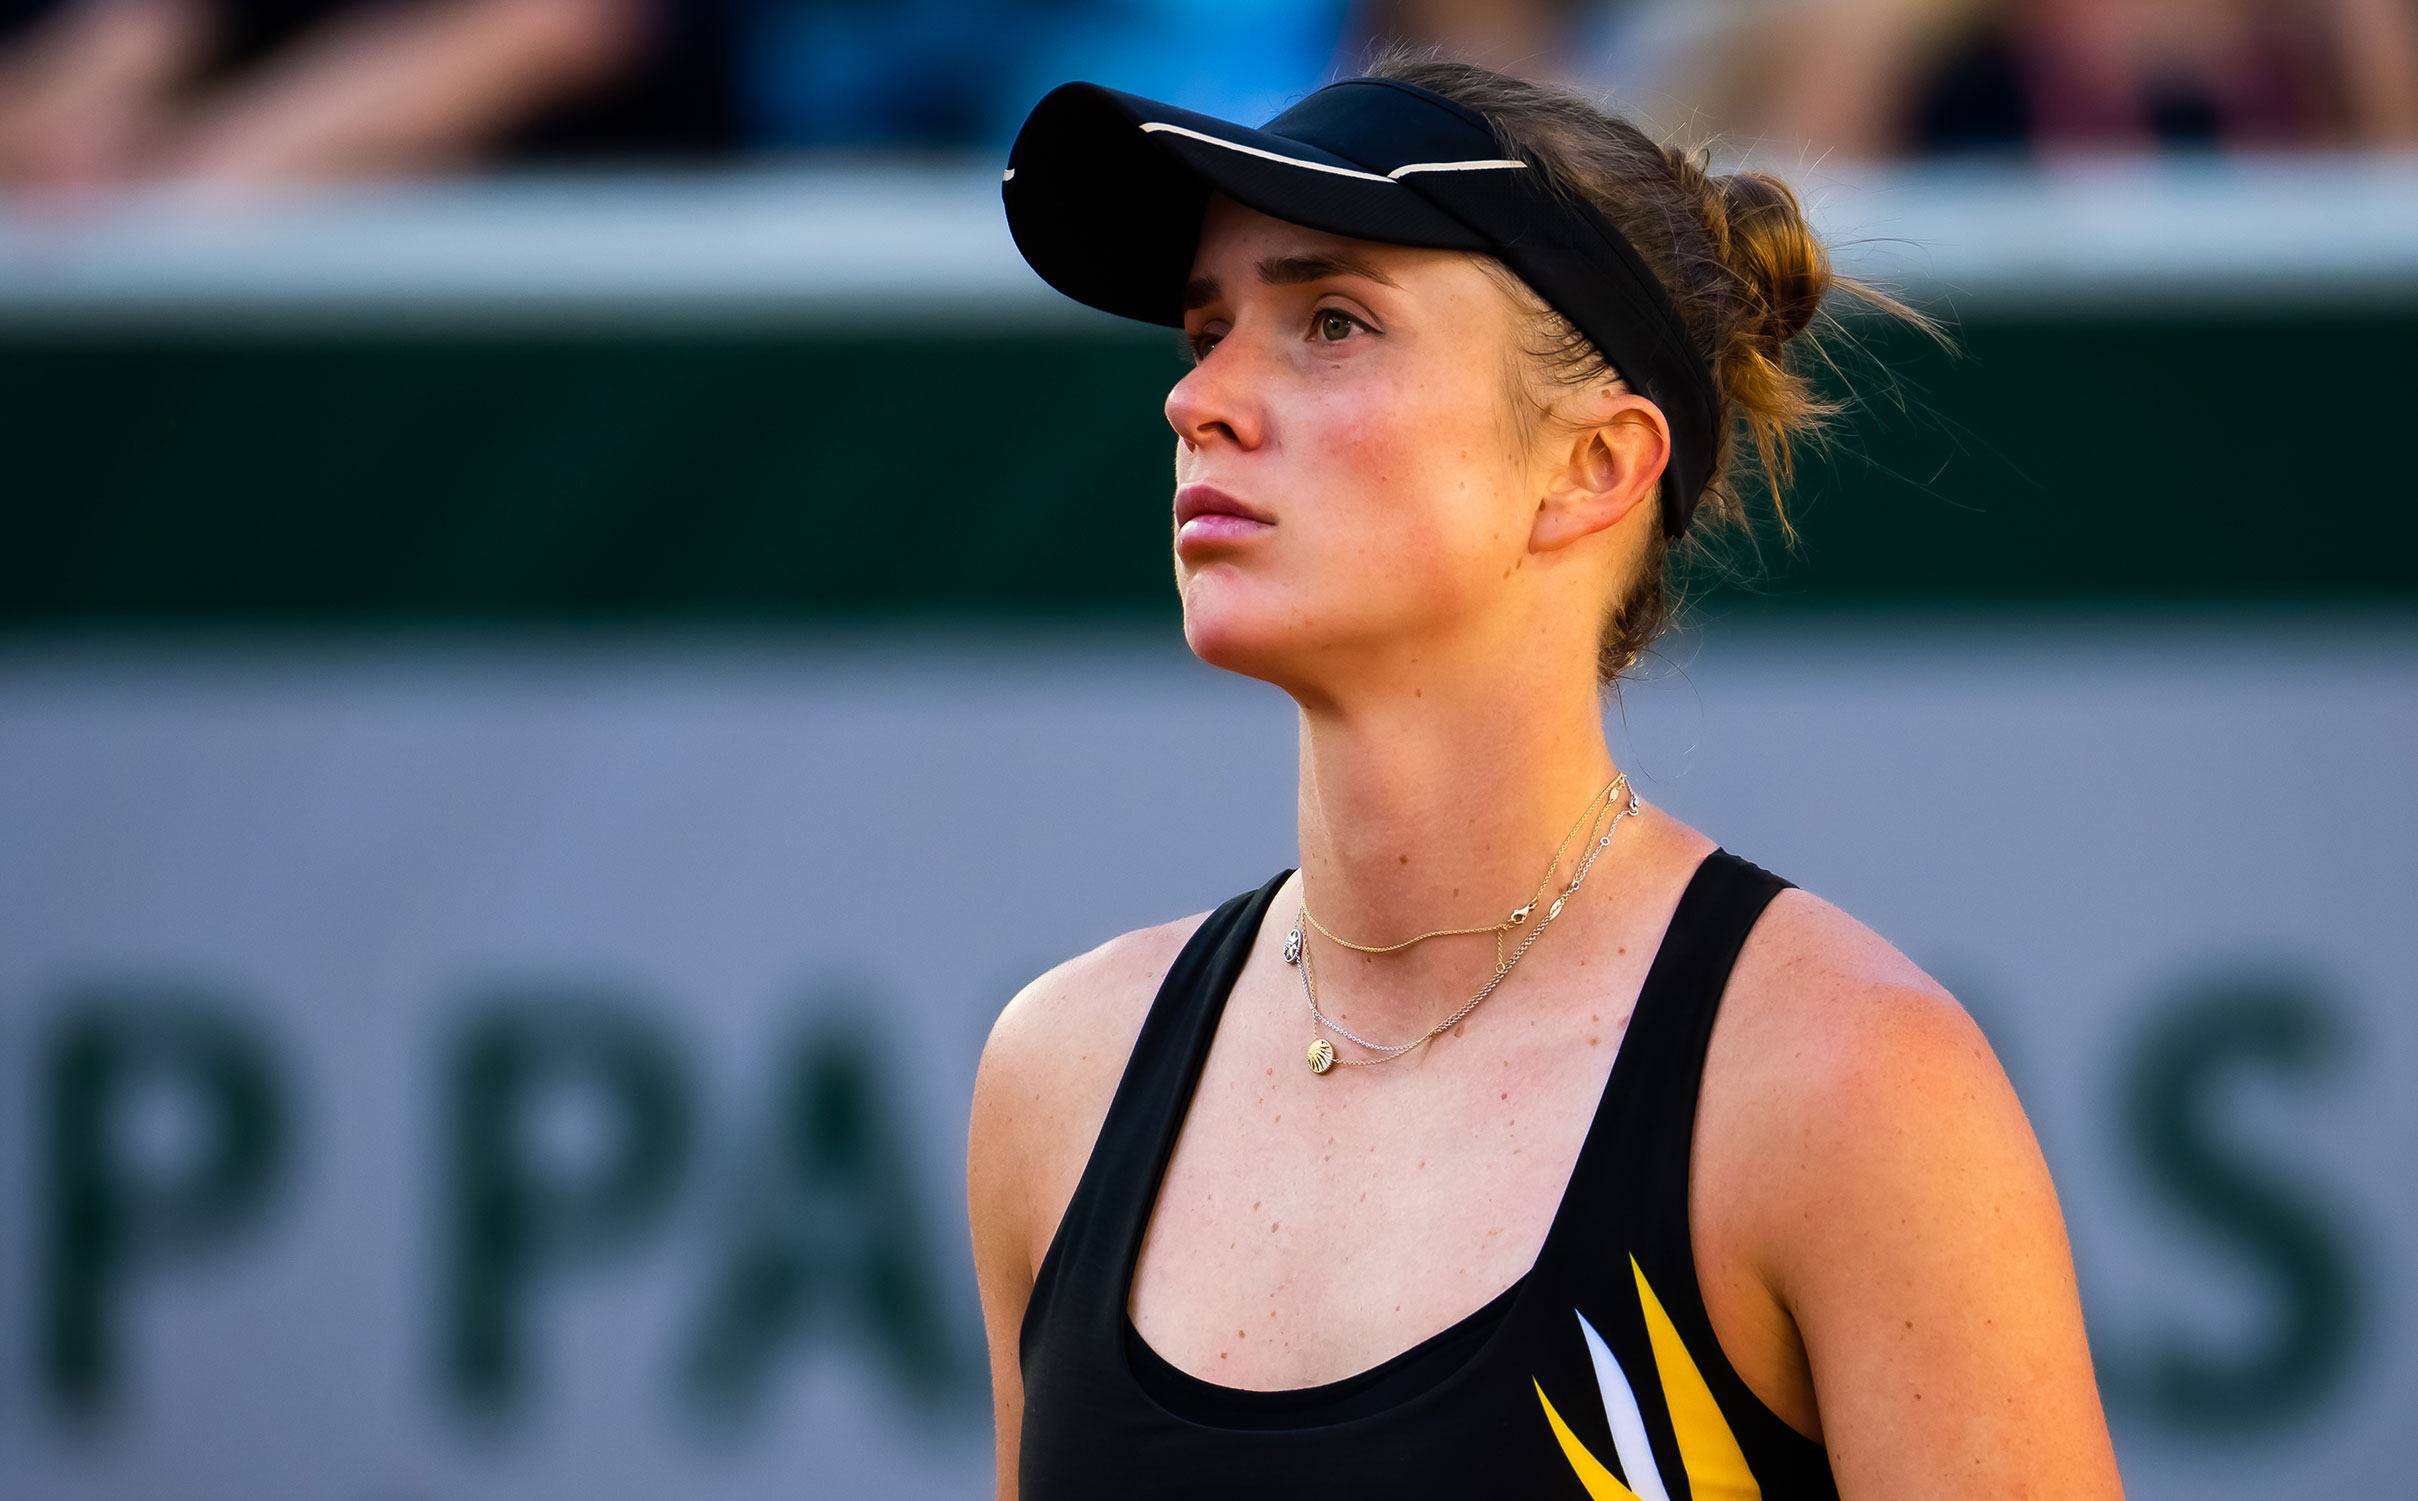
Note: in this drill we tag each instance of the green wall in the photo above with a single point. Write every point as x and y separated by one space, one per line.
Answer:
625 477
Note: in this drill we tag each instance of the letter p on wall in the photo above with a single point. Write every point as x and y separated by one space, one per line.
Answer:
165 1132
525 1204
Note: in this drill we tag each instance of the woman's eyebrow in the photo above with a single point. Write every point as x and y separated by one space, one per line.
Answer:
1292 270
1289 271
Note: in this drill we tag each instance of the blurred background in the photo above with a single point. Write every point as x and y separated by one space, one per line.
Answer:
573 621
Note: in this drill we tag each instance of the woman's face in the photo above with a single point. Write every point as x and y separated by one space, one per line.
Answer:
1351 481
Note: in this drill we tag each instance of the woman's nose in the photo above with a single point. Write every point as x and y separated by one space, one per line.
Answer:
1218 401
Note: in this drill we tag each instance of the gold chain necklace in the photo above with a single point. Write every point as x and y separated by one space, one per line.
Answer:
1321 1054
1519 915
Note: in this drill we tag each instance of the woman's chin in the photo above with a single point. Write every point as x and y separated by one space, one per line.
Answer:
1244 642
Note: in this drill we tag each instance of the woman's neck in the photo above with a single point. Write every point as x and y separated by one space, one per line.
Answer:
1435 809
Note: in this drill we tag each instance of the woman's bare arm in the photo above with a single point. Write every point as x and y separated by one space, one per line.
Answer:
1048 1073
996 1203
1883 1247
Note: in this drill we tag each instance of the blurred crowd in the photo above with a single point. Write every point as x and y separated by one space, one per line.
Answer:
266 91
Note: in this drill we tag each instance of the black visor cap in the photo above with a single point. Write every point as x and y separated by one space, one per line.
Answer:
1105 191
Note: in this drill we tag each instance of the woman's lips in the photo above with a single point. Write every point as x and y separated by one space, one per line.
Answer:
1215 529
1206 516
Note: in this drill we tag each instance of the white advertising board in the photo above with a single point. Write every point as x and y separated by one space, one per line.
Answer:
510 1070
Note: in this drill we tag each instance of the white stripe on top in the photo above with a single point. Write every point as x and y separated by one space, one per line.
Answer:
1627 1423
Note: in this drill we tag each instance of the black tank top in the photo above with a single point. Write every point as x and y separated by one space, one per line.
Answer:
1594 1375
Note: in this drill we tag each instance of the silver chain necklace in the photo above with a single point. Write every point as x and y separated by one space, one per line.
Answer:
1321 1055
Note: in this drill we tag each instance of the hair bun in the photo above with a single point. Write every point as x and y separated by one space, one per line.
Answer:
1778 259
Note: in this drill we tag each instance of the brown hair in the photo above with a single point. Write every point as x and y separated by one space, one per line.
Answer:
1734 251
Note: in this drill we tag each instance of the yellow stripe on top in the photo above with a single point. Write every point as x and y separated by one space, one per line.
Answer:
1716 1465
1601 1484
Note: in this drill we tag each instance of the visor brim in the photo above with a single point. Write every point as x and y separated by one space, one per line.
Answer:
1105 191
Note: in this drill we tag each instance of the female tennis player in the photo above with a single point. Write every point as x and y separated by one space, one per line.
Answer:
1522 1143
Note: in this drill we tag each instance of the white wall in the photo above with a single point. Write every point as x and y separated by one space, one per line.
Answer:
2095 832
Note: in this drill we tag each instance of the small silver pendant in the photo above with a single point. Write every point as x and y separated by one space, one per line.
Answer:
1293 946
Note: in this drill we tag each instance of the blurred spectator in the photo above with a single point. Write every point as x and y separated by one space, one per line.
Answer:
1865 78
963 73
1532 38
256 91
264 91
277 90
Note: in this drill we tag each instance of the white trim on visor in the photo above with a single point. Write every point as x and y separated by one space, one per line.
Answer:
1484 166
1290 161
1294 161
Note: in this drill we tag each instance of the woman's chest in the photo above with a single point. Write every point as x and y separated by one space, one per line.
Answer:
1311 1226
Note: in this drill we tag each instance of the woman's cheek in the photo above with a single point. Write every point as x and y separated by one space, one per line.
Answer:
1416 477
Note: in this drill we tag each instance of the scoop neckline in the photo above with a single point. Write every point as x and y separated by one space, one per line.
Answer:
1590 1146
1329 1403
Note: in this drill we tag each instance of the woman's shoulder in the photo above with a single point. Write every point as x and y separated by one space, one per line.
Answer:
1052 1064
1087 1006
1847 1075
1822 1012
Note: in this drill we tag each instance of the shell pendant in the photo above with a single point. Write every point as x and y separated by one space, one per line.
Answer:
1321 1056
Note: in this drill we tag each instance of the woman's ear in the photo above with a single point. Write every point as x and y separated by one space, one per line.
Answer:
1609 466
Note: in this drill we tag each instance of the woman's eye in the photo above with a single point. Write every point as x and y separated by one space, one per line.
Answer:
1203 342
1335 327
